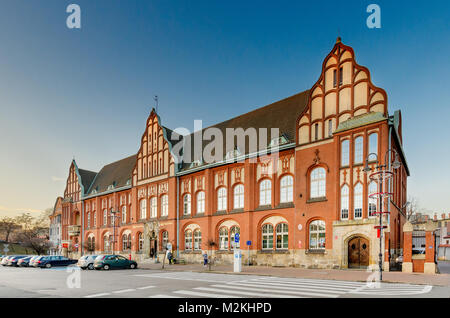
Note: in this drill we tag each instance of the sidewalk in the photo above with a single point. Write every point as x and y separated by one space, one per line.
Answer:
332 274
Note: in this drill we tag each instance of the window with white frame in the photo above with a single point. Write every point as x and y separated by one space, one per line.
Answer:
124 242
153 207
89 219
164 205
165 239
345 153
187 204
358 201
188 240
265 192
222 199
141 241
113 220
223 238
286 189
238 197
317 235
201 202
124 214
282 235
143 211
372 199
197 240
106 243
373 144
318 183
267 237
233 231
344 202
330 128
105 217
358 149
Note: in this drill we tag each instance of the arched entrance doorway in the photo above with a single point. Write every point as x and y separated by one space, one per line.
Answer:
358 252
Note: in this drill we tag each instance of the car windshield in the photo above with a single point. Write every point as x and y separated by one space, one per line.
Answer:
100 257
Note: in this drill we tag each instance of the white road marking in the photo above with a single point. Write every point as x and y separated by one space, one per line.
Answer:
206 295
97 295
217 290
146 287
124 291
162 296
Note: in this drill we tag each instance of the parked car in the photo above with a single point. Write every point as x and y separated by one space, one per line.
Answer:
24 262
12 261
87 261
34 259
50 261
5 260
107 262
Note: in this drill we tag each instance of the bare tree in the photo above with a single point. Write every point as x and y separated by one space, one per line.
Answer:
412 208
33 233
8 226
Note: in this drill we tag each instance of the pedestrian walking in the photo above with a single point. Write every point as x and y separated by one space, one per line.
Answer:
205 259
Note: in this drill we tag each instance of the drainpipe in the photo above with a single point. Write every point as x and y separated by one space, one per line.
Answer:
82 227
178 219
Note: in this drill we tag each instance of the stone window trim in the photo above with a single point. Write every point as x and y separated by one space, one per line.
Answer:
264 207
199 215
285 205
164 217
319 199
218 251
220 212
316 251
237 211
278 251
191 252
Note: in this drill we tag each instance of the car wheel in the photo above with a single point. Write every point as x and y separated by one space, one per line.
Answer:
91 266
48 265
132 266
106 267
83 268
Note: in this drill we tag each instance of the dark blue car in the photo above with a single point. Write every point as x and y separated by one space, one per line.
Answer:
51 261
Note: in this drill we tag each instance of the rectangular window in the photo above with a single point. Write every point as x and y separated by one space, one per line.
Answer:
345 151
359 150
334 78
341 76
316 132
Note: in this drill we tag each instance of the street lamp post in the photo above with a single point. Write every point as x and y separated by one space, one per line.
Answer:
384 173
114 215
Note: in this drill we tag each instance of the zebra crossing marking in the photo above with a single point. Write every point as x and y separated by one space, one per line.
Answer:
207 295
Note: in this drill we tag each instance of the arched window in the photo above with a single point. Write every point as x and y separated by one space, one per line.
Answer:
143 214
106 243
222 199
124 242
345 153
124 214
188 240
233 231
223 238
358 201
282 236
318 182
140 241
187 204
105 217
373 144
89 220
164 205
317 235
201 202
113 220
129 241
265 192
286 189
267 237
165 239
344 202
238 197
197 240
153 207
358 149
89 244
372 200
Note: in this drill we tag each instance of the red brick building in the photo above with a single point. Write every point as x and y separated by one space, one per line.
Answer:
305 204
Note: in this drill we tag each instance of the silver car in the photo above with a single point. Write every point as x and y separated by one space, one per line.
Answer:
87 261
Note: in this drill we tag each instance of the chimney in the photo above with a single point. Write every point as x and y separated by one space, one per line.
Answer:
435 217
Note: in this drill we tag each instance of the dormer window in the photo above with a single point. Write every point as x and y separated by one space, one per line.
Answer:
196 163
111 187
277 141
232 153
128 181
94 191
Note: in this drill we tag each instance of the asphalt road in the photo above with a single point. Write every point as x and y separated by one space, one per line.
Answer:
140 283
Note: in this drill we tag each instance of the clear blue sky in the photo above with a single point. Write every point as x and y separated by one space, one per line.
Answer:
87 93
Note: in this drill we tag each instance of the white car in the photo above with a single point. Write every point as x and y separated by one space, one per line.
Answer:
87 261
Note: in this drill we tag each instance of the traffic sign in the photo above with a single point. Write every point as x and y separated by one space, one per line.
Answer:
236 238
249 243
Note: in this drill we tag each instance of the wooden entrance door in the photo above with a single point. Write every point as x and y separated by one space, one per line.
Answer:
358 252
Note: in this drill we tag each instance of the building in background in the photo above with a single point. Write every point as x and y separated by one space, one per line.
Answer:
55 228
443 237
302 199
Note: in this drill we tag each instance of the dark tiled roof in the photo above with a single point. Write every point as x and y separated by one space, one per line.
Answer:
86 178
116 173
282 114
360 120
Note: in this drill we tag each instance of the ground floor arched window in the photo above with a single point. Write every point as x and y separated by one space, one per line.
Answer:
188 240
282 236
317 235
223 238
267 236
140 242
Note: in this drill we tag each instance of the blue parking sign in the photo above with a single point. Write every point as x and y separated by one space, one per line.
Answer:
236 238
249 243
